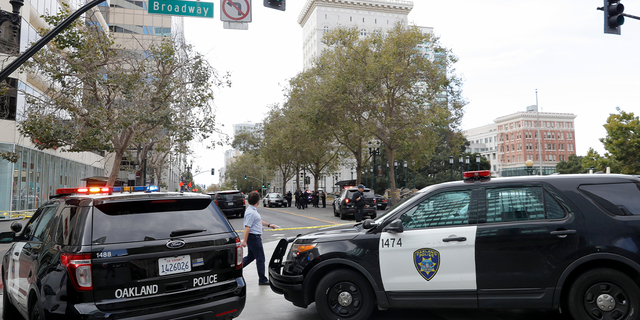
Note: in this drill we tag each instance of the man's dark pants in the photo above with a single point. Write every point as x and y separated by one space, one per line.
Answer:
358 213
256 252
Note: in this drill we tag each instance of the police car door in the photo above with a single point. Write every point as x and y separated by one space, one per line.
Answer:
434 253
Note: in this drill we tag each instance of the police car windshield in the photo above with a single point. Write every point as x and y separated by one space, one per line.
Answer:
131 221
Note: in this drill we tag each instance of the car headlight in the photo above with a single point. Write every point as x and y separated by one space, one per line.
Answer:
298 249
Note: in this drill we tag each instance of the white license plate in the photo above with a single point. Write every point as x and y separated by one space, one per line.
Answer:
230 203
174 265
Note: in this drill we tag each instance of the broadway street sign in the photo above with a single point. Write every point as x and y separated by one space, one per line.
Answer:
182 8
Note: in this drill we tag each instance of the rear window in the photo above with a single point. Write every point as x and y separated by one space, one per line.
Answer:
618 198
132 221
367 194
229 196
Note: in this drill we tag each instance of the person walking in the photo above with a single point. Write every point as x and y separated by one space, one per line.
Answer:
252 239
324 198
358 201
316 199
297 194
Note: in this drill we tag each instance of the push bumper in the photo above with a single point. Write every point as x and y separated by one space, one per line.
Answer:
289 286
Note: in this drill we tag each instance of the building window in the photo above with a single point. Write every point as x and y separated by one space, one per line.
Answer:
363 32
325 29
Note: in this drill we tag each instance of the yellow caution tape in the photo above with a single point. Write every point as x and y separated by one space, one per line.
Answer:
24 214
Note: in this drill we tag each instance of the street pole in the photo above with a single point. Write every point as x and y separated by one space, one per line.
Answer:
460 162
451 164
539 136
478 161
21 59
467 160
405 175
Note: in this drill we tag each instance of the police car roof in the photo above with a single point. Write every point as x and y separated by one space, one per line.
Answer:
117 197
576 178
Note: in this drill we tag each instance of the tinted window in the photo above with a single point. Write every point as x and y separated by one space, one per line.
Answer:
367 194
552 208
155 219
228 196
443 209
618 198
515 204
45 217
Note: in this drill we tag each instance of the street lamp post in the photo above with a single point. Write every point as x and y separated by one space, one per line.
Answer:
467 161
478 161
451 165
395 173
351 173
460 163
405 175
529 165
374 150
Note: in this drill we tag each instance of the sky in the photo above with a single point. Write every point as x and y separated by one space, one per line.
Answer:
507 49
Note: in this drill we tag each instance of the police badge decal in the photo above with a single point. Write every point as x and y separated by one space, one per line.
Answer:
427 262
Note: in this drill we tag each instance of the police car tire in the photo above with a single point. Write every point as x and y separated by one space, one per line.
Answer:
9 311
593 283
335 212
358 288
36 312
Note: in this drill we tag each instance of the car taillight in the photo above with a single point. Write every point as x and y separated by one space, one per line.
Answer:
79 267
217 203
243 202
346 200
238 254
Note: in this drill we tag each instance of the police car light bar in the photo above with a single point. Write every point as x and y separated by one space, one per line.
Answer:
92 190
137 189
477 175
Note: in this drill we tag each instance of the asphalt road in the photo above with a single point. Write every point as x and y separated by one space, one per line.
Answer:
264 304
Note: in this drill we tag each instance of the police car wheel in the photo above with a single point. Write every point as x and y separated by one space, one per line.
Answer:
335 212
344 294
9 311
604 294
343 216
36 312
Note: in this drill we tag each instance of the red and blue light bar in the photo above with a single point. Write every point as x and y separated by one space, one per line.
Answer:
106 190
483 175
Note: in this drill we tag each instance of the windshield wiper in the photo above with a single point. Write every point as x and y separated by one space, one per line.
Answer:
177 233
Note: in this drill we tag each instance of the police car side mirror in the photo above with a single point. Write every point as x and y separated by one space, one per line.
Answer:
7 237
16 226
369 224
394 227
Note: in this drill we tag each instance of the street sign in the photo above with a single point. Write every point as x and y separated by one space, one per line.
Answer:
235 10
182 8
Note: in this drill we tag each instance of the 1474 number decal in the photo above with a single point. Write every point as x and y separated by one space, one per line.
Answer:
391 242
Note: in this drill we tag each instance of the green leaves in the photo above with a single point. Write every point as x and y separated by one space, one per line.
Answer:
102 97
623 142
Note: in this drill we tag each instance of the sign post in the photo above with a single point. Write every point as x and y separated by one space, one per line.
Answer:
182 8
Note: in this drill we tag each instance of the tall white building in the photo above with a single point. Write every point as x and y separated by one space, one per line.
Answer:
320 16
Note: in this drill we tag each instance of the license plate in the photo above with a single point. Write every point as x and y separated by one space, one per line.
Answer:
230 203
174 265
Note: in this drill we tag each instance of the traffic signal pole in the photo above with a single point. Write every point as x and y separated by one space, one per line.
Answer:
21 59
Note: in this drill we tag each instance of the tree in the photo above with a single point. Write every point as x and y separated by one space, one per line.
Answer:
251 166
104 98
572 165
594 161
403 95
623 142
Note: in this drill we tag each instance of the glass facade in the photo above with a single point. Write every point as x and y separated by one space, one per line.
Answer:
28 183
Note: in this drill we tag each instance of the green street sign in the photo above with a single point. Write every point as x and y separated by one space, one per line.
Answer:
182 8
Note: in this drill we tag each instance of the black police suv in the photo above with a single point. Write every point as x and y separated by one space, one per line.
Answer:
230 202
123 256
343 205
568 242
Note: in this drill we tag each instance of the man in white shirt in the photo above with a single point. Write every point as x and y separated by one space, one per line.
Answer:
253 236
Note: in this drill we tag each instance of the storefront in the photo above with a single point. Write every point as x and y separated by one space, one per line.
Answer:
36 175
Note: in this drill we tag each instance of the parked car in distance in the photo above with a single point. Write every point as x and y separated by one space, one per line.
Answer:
230 202
381 202
273 199
343 206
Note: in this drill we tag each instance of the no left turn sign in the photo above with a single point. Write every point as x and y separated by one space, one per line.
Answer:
235 10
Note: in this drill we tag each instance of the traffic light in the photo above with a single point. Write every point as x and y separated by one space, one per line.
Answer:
245 177
613 17
275 4
213 171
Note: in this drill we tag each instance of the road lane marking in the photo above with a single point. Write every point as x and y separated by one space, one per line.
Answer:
299 228
301 215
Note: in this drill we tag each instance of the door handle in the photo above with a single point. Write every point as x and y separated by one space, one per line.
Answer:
563 233
460 239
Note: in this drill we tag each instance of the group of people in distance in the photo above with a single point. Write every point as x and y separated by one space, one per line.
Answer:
304 197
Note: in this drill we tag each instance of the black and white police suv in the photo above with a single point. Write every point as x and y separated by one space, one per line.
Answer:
554 242
93 254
